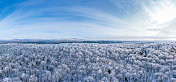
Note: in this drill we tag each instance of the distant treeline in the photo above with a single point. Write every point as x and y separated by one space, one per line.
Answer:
59 42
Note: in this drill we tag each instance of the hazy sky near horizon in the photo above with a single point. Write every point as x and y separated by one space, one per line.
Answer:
103 19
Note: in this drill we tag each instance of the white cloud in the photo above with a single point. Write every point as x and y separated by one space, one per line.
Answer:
152 20
162 11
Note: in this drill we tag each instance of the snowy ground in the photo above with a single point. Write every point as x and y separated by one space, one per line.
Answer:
88 62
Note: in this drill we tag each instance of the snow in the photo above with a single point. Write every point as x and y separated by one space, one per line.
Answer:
88 62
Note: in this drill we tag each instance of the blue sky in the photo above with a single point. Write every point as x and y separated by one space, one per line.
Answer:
88 19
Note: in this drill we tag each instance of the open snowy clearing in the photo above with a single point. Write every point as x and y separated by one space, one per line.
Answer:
88 62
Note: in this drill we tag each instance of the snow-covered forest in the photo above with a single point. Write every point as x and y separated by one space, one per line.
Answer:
88 62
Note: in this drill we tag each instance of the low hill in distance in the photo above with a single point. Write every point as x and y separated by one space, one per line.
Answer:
41 41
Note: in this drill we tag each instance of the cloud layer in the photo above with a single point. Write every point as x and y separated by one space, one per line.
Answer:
93 19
